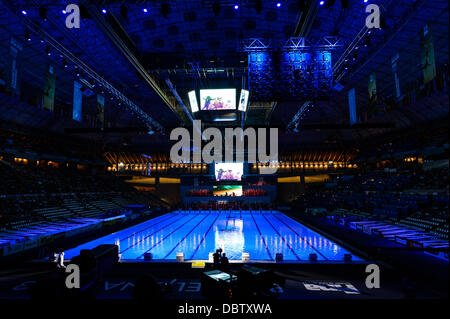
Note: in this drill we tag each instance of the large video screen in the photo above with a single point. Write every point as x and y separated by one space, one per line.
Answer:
243 101
228 171
221 99
227 190
193 101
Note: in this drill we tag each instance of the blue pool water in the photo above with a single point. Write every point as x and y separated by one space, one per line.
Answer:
196 234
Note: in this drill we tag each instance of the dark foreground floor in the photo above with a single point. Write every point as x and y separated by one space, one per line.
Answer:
329 281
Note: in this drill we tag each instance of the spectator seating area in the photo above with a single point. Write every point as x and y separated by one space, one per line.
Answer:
200 192
427 142
206 192
380 203
385 194
411 231
20 211
254 192
40 201
31 179
217 205
23 232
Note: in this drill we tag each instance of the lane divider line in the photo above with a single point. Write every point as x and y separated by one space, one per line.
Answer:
156 231
185 237
169 217
302 238
166 236
287 244
264 241
204 236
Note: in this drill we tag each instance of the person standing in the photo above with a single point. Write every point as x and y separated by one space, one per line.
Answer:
224 263
216 259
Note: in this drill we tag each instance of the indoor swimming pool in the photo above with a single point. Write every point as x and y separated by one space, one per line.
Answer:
196 234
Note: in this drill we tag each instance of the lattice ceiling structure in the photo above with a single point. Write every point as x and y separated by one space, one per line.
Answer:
194 47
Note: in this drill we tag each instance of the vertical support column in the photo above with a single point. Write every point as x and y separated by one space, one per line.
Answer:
100 119
49 89
372 89
427 54
398 92
13 82
352 106
77 114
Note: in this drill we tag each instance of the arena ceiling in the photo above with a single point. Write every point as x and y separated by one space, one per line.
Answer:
197 44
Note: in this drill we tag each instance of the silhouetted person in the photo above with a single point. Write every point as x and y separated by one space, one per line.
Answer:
224 262
216 258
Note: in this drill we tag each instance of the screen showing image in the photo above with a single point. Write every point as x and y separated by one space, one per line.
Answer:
222 99
227 190
228 171
243 101
193 101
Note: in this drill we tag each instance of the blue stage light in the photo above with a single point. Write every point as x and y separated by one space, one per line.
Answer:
145 10
24 12
260 77
278 4
322 3
236 7
104 11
